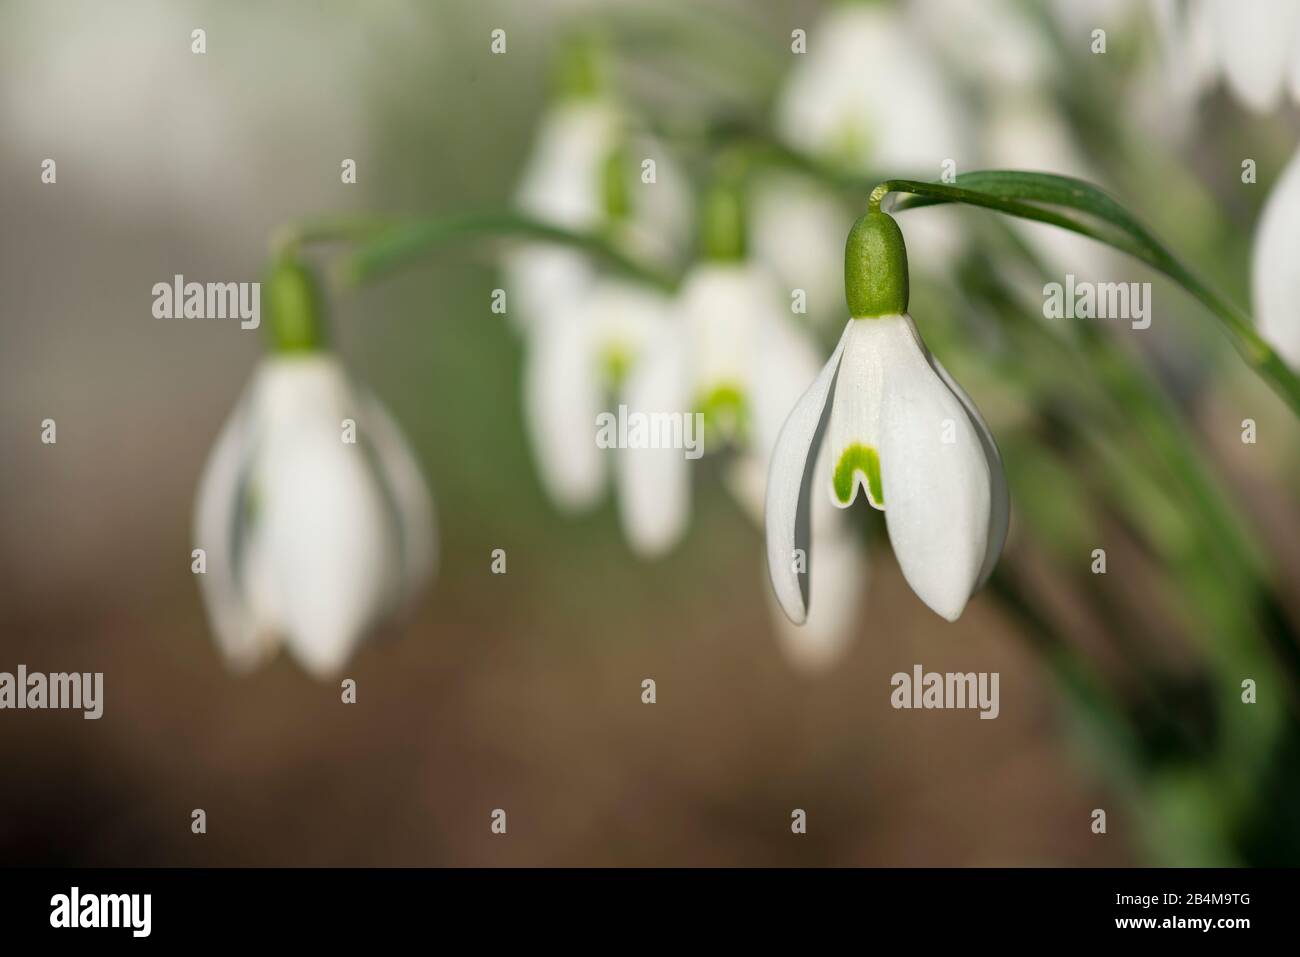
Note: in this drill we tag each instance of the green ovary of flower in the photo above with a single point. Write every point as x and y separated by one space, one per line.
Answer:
858 458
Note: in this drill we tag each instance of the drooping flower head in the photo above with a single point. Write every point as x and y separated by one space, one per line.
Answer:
896 428
316 522
582 175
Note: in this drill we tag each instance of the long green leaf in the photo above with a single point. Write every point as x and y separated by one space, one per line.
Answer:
1081 207
402 242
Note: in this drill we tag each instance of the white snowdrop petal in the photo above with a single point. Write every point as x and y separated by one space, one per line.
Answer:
934 474
654 483
840 566
722 305
999 492
797 230
217 521
831 106
561 183
544 285
788 479
417 524
331 539
786 362
562 394
853 429
1275 266
325 554
1256 41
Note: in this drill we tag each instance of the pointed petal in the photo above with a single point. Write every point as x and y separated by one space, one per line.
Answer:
788 480
786 362
410 494
721 305
1275 266
218 517
999 493
842 578
935 476
561 398
654 483
544 284
1256 41
561 183
332 553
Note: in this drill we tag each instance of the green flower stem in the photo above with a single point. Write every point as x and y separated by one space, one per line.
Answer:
288 241
1020 194
400 243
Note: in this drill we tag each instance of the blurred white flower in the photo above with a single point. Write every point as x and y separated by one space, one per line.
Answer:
993 43
868 96
795 229
883 415
1078 18
745 363
582 143
1255 45
1258 44
1025 132
1275 266
561 185
1187 47
573 369
312 541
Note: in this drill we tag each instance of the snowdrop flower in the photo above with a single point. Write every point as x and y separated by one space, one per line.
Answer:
315 520
884 417
1258 48
832 107
572 372
1187 50
582 175
1025 132
795 224
561 185
1275 266
744 362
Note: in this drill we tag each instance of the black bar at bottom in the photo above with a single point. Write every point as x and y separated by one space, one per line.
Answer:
535 905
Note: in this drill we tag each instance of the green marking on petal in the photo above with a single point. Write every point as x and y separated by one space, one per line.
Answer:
615 363
851 145
864 459
726 412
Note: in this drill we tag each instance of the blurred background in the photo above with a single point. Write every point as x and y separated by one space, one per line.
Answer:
522 691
